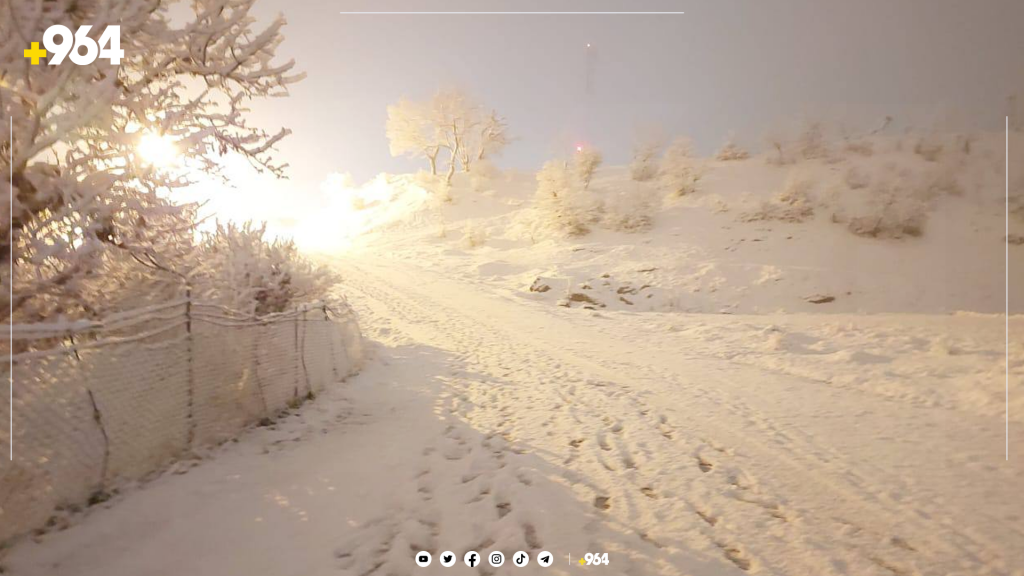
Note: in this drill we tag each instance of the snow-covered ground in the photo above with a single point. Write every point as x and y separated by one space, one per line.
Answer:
725 425
489 422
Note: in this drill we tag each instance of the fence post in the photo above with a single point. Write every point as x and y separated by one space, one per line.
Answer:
302 352
97 416
334 359
190 437
256 367
295 342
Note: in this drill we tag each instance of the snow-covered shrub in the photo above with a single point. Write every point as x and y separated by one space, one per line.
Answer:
811 143
780 153
645 159
483 176
438 188
240 269
631 211
680 172
929 147
896 206
585 162
562 203
860 147
680 148
792 204
731 151
473 236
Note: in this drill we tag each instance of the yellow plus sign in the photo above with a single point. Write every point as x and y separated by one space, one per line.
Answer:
582 561
35 53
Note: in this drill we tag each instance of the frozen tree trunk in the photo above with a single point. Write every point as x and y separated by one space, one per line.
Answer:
433 164
451 171
456 152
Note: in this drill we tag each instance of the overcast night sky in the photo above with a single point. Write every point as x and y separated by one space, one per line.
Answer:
723 67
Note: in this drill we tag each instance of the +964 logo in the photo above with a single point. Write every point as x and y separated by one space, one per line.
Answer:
59 43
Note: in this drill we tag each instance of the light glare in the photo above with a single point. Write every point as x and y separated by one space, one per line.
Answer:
157 150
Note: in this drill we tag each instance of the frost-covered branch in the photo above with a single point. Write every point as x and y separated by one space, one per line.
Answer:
87 206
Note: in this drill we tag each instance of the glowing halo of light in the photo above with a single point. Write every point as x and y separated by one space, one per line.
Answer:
157 150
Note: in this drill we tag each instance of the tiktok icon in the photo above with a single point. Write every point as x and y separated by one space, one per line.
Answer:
521 559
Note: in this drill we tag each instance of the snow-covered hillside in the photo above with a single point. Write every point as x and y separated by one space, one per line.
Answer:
755 236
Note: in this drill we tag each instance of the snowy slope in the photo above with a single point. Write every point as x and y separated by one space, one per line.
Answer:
702 256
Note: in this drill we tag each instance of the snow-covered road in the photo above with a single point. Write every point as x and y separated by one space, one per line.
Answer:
488 422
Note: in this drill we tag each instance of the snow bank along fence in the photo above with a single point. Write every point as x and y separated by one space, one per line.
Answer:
100 403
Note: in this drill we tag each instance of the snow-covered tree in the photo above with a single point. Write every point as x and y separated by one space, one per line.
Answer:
411 132
490 137
561 201
449 121
680 172
645 158
89 209
585 163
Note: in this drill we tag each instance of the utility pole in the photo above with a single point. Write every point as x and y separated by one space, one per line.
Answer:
591 57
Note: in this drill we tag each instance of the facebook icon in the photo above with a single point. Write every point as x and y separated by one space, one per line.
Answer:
472 559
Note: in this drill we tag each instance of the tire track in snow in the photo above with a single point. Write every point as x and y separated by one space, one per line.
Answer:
601 453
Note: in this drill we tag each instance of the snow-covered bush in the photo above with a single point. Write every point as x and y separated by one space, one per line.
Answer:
781 153
239 268
860 147
894 201
90 216
680 172
629 211
473 236
929 147
483 176
562 202
644 166
585 163
731 151
895 206
811 143
792 204
944 148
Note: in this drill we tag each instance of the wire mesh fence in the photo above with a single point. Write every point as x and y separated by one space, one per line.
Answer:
100 403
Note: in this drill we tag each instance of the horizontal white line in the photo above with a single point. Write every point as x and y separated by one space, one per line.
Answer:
512 13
